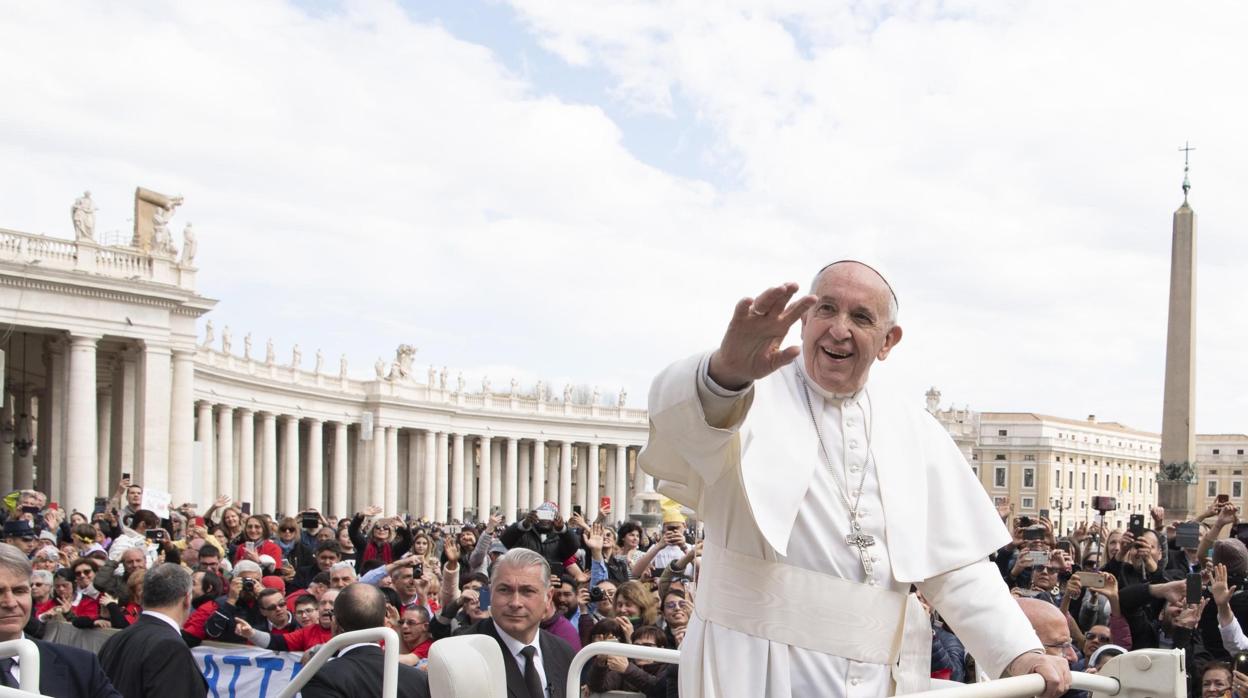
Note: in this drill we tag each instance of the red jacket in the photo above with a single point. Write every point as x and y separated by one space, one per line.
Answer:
264 547
302 639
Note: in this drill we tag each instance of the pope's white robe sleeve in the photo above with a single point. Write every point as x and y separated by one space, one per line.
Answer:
978 607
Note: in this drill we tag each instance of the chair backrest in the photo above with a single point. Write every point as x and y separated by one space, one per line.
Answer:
467 666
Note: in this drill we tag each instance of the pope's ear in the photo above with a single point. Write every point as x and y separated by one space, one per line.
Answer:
891 339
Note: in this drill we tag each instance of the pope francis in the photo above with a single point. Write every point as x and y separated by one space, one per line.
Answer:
824 499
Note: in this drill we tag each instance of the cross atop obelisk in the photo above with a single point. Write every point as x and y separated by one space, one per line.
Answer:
1178 419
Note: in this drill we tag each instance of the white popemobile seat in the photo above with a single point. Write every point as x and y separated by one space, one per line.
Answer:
467 666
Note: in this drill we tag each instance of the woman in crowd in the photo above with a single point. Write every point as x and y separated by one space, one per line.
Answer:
345 545
40 592
387 539
628 540
293 549
422 547
86 607
254 542
231 519
123 616
636 603
1215 680
676 610
611 673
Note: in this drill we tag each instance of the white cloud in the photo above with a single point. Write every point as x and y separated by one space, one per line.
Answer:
359 179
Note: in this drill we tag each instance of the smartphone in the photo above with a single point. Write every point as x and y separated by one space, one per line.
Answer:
1187 535
1194 586
1241 662
1137 525
1037 558
199 521
246 508
156 535
1044 513
125 476
1223 498
310 520
30 510
1025 521
1066 546
484 594
101 504
1093 580
1033 534
53 506
250 545
576 509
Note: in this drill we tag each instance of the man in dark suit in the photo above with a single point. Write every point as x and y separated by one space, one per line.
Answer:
536 661
150 657
357 670
64 672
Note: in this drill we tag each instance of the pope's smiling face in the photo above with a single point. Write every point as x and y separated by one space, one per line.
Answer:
850 326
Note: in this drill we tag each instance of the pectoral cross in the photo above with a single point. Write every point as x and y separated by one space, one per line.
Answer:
861 541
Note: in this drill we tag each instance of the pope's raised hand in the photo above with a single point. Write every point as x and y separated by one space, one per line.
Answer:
751 346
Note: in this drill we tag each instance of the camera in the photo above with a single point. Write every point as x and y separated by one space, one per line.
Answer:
596 594
249 585
1104 504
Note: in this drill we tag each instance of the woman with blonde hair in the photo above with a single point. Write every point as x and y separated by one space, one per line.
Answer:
637 603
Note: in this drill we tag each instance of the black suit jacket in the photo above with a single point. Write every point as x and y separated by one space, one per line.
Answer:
68 672
358 673
150 658
556 659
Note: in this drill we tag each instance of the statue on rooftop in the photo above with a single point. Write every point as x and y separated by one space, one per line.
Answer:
623 397
270 354
208 334
342 366
320 362
247 346
442 379
84 218
485 385
401 369
459 382
225 340
189 246
296 357
567 393
379 367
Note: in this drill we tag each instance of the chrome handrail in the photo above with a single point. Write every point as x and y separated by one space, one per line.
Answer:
617 649
27 654
390 667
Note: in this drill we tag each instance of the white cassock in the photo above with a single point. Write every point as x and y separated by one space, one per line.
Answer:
782 600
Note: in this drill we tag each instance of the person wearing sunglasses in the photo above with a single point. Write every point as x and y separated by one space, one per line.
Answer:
388 539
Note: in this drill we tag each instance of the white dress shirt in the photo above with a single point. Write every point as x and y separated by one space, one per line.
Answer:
514 647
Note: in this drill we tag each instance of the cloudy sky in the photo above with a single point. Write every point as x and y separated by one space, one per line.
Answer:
579 191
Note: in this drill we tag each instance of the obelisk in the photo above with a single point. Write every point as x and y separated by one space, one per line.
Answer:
1178 419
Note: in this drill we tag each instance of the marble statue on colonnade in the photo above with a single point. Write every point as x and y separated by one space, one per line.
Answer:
567 393
401 369
459 382
623 397
485 385
189 245
342 366
152 212
225 340
296 357
442 379
433 376
540 391
379 367
83 213
594 400
247 346
320 361
208 335
270 353
515 386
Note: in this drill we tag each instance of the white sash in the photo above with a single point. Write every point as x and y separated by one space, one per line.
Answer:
815 611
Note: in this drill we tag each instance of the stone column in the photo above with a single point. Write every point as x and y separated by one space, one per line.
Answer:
441 505
246 456
524 479
608 475
338 473
457 477
392 471
81 447
7 451
182 428
537 491
268 463
483 478
24 465
582 477
619 501
429 480
565 477
552 476
314 467
413 473
154 404
104 448
207 463
360 487
639 486
125 402
288 497
510 486
377 468
52 463
496 474
591 484
225 452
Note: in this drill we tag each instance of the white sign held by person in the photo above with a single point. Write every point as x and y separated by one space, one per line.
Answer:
240 671
156 501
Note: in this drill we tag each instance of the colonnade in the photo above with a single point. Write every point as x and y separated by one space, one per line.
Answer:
284 463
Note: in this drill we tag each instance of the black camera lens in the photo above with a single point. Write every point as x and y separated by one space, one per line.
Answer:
596 594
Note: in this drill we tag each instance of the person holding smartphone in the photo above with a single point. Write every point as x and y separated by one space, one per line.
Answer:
254 542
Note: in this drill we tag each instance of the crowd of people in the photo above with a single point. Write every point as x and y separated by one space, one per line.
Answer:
557 584
276 582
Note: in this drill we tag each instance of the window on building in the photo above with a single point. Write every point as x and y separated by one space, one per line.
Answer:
974 456
1216 451
1029 477
998 477
1211 488
1096 481
975 469
1128 485
1240 452
1003 432
1057 478
1139 482
1213 471
1070 478
1083 480
1237 489
999 456
1150 485
1029 503
1237 472
1029 456
1057 458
